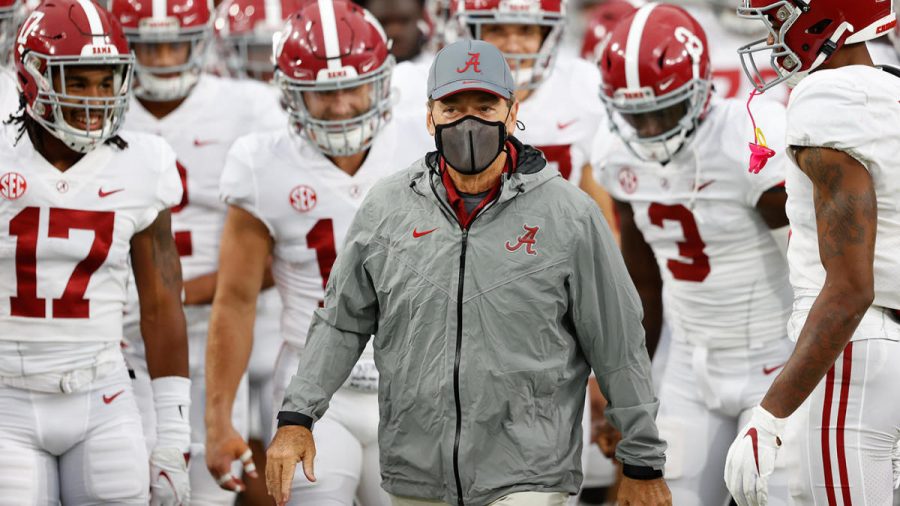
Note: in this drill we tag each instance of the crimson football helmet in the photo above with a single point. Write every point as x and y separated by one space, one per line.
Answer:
806 33
441 32
166 22
656 59
244 31
602 21
56 37
529 69
328 47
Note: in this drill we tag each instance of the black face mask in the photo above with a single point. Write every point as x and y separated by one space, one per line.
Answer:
470 144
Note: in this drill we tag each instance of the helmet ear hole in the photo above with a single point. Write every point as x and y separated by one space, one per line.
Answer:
819 28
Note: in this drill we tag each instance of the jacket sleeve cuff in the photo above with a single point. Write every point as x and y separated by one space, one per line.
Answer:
294 418
641 472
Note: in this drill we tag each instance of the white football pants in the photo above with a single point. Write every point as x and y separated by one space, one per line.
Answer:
79 448
347 460
847 428
707 396
204 489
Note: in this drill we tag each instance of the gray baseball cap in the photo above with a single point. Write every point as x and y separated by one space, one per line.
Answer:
469 65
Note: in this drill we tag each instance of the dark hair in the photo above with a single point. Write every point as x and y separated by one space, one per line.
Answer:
27 124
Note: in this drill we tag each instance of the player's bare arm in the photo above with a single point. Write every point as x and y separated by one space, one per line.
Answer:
200 290
600 196
846 213
157 273
642 267
771 207
245 249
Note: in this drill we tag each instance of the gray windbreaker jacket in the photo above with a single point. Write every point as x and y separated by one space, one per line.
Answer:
484 338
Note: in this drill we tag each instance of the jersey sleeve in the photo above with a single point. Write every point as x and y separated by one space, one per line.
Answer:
238 185
169 189
771 118
821 114
601 149
588 77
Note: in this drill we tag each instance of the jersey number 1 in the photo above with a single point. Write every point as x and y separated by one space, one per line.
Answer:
321 239
72 303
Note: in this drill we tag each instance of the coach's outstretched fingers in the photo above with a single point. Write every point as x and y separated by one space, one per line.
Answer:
292 444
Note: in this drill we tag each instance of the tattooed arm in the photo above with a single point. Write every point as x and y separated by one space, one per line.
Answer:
846 215
157 272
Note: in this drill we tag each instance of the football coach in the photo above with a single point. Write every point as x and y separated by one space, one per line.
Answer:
492 287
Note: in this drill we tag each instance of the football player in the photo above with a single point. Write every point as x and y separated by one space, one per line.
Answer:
840 385
200 116
559 107
78 200
293 195
244 30
695 236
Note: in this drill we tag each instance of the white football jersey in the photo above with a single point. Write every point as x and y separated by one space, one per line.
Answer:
307 203
201 130
65 236
562 116
409 83
818 116
729 77
9 94
724 278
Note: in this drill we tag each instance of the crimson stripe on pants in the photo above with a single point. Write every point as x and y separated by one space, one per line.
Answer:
826 422
842 417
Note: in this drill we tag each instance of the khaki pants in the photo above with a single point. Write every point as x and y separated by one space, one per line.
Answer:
516 499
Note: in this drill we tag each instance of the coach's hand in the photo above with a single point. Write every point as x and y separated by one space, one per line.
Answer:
223 446
292 444
644 492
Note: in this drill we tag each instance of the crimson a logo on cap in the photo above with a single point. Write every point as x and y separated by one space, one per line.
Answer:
473 62
303 198
628 180
12 185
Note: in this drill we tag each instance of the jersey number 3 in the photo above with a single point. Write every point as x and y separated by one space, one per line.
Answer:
691 247
72 303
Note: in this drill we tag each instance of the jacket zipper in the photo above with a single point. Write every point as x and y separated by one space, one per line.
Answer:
459 327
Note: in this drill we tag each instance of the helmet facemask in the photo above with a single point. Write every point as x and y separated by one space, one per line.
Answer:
782 59
10 19
248 56
51 104
662 147
529 70
342 137
157 83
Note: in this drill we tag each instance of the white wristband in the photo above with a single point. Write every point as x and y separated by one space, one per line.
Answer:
172 401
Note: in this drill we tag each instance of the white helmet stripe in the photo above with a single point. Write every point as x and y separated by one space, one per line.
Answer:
633 46
329 30
94 23
159 9
273 12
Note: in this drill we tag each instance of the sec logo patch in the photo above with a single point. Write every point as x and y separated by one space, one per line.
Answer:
303 198
12 185
628 180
